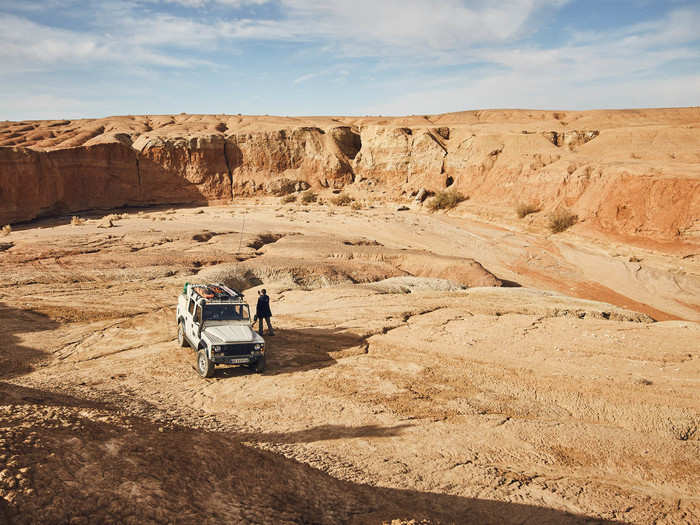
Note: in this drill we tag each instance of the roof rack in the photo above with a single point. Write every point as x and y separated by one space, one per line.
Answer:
215 292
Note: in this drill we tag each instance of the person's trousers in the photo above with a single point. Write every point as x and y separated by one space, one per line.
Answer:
260 325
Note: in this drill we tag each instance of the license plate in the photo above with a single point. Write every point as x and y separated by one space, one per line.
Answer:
237 360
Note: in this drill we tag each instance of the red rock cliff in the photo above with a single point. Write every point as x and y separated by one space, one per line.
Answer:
634 173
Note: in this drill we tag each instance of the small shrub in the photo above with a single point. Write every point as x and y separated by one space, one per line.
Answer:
308 197
561 220
6 229
342 199
356 205
523 210
287 199
446 200
76 221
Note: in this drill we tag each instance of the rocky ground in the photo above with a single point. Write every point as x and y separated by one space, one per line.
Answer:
429 367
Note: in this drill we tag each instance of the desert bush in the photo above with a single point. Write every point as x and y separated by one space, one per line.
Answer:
6 229
308 197
445 200
561 219
289 199
76 221
342 199
356 205
523 210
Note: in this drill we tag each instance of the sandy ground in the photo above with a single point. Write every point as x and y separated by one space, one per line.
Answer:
389 395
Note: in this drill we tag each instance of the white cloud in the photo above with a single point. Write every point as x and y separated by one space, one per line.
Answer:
372 28
547 91
28 46
230 3
304 78
402 38
38 106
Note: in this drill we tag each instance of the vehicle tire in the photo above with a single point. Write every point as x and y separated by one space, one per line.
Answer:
259 366
181 339
205 367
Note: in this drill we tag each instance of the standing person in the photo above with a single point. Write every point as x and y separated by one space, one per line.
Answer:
262 311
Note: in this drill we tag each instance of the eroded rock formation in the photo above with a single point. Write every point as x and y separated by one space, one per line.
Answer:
634 173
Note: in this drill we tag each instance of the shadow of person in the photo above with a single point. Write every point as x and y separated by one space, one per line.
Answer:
325 433
16 358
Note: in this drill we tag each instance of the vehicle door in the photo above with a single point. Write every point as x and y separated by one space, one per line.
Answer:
189 322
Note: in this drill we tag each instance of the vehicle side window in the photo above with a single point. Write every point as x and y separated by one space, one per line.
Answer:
198 315
190 307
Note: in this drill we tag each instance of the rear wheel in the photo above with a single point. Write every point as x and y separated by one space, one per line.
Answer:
205 367
181 339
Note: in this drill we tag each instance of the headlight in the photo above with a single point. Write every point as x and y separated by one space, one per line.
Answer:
259 347
216 348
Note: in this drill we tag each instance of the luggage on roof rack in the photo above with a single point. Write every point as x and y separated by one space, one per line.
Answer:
214 292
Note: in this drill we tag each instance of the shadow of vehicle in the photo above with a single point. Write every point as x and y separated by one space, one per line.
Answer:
302 349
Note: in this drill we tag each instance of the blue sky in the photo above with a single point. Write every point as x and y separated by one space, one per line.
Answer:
90 58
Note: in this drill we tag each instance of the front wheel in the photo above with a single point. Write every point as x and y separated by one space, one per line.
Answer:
259 366
181 339
205 367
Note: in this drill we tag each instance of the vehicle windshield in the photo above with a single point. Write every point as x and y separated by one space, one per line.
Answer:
226 312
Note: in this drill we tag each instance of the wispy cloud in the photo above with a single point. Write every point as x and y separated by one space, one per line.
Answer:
304 78
398 56
368 27
616 68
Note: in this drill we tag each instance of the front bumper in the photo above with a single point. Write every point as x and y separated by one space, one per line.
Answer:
237 359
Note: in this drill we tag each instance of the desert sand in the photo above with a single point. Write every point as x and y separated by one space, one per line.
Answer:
459 366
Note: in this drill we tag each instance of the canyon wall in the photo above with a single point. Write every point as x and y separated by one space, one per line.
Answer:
634 174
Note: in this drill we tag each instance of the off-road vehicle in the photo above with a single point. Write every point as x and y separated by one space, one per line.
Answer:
215 321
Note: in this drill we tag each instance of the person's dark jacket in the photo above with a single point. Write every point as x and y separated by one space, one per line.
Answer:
262 309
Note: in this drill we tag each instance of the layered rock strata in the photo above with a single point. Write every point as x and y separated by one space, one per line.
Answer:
636 173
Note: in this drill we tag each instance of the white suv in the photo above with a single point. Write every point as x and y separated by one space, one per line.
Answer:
215 321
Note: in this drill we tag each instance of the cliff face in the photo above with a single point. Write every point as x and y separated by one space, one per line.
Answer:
34 184
631 173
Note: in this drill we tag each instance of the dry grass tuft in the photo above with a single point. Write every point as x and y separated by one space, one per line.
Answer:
356 205
308 197
523 210
561 220
287 199
114 217
446 200
76 221
342 199
6 230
